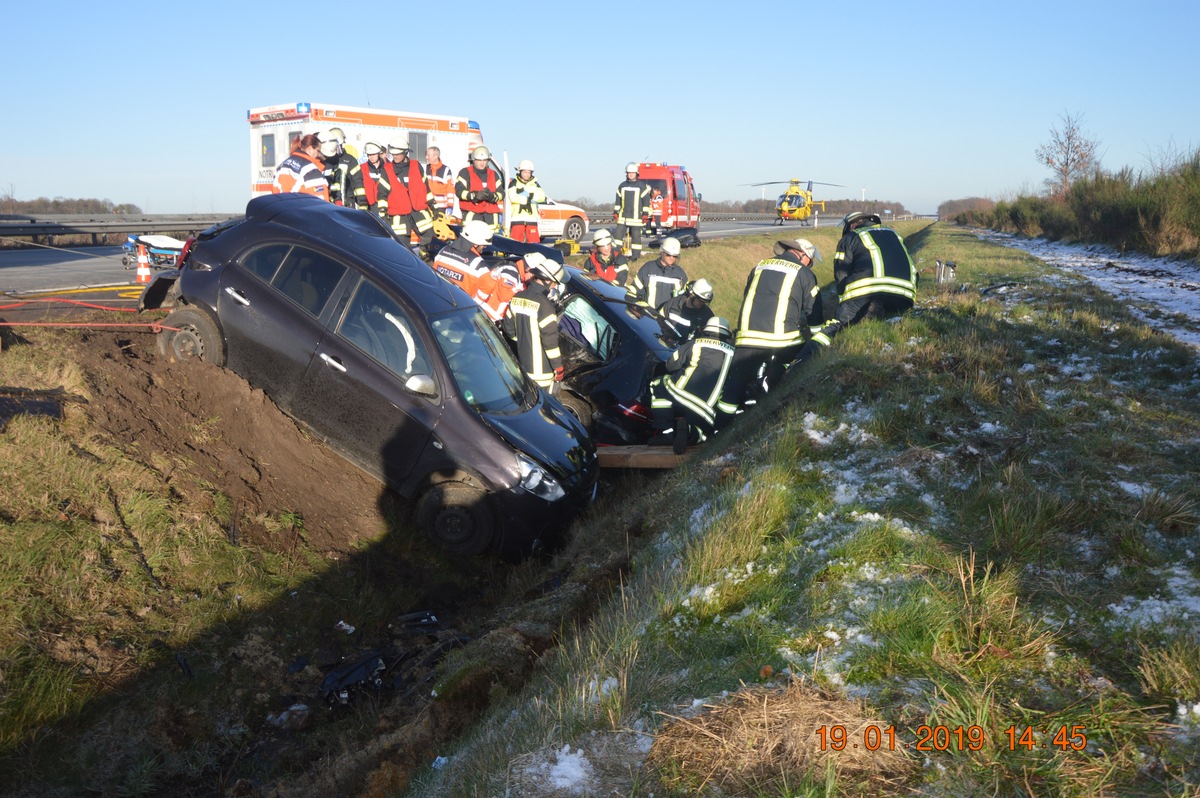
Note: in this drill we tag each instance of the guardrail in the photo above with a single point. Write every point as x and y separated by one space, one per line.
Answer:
50 225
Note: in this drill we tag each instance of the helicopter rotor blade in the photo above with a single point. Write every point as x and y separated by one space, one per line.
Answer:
769 183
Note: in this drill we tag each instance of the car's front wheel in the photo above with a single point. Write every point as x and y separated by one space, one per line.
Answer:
579 408
574 229
191 334
457 517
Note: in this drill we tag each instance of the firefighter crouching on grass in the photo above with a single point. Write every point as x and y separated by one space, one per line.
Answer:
532 322
689 398
873 271
781 308
405 197
605 260
662 278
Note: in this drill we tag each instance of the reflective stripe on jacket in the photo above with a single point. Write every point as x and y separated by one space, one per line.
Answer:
615 269
696 378
403 195
873 260
299 174
525 210
532 321
633 202
780 296
471 179
656 282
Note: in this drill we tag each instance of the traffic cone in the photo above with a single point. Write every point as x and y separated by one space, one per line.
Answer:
143 265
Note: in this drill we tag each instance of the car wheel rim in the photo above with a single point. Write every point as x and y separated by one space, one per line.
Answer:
454 525
187 344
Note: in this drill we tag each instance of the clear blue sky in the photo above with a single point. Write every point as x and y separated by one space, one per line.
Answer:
918 103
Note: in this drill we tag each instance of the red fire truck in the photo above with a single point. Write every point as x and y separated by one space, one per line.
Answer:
674 203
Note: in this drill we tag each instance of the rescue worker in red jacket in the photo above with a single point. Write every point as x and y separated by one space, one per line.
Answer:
524 197
404 197
781 309
480 189
338 164
364 179
532 322
689 398
302 172
461 263
631 211
689 311
441 182
605 260
662 278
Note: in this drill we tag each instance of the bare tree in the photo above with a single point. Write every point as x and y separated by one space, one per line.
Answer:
1070 154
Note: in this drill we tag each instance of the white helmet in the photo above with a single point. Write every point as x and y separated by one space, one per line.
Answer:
525 165
801 245
329 149
631 167
601 237
670 246
373 148
398 145
481 153
703 289
717 326
477 232
542 266
336 132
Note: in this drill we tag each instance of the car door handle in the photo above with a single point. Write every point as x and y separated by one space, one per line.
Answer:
333 361
237 296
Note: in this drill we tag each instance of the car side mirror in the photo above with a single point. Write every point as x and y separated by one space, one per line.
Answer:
421 384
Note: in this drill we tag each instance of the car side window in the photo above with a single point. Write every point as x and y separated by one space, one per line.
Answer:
264 261
580 321
309 278
377 325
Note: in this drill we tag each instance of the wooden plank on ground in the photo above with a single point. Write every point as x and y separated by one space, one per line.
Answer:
638 457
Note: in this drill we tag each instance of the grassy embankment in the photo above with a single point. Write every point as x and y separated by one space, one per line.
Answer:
980 519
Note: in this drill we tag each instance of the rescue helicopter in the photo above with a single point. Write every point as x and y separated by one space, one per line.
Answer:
796 203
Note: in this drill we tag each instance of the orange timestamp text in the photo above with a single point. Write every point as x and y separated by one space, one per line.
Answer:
950 738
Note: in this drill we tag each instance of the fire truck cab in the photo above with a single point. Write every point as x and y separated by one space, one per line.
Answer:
674 203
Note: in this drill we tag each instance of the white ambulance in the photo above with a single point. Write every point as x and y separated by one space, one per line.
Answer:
274 128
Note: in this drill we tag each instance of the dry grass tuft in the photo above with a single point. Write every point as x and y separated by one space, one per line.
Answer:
767 739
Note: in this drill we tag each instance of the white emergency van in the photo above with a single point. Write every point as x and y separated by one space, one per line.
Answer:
273 129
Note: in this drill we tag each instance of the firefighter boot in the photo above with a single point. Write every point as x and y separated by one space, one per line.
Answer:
679 441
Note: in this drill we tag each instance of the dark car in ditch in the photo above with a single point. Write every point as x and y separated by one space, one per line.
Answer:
612 348
394 368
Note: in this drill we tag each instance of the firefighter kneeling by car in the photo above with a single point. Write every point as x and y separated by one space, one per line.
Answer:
532 322
689 398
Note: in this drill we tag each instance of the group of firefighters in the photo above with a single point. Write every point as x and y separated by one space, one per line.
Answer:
715 371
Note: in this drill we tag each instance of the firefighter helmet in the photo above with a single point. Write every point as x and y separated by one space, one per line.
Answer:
601 237
541 266
329 146
703 289
717 326
477 232
373 148
631 167
481 153
337 133
800 244
670 246
525 165
398 145
857 218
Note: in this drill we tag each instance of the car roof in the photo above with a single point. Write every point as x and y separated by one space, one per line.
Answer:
363 238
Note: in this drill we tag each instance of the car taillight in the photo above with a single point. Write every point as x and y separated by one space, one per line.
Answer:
635 410
183 253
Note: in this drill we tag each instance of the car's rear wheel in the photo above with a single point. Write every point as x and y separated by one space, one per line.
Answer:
579 408
194 336
457 517
574 229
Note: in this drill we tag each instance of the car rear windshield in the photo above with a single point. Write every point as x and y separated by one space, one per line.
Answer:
484 369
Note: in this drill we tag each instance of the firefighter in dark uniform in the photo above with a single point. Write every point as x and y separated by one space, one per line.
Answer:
364 179
631 211
689 397
480 189
781 309
689 311
532 322
404 197
605 260
662 278
873 271
338 164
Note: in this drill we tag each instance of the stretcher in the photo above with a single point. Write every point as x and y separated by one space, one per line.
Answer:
162 250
